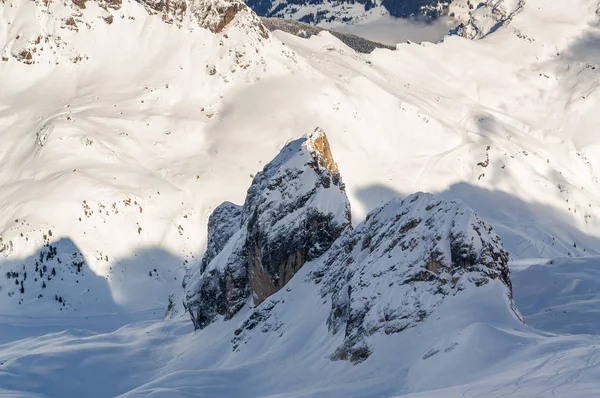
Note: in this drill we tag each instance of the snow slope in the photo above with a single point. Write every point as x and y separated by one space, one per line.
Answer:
497 356
105 151
147 139
140 128
560 296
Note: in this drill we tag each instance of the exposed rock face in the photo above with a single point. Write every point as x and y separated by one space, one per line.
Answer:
401 263
223 223
488 17
214 15
389 274
294 210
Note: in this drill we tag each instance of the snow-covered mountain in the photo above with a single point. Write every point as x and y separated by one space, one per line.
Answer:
487 17
125 125
387 275
294 211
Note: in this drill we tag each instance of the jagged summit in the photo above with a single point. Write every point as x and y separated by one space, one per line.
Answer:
317 143
210 14
214 15
401 263
294 210
388 275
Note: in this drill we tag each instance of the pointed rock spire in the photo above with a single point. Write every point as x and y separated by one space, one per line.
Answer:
294 210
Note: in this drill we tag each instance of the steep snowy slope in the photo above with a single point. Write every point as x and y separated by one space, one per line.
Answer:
103 124
136 137
560 296
505 124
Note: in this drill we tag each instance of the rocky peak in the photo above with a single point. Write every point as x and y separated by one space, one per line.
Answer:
59 24
396 271
318 145
294 210
214 15
488 17
388 275
223 223
416 251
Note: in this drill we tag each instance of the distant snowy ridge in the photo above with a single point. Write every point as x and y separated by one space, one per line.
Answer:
57 19
311 11
488 17
385 276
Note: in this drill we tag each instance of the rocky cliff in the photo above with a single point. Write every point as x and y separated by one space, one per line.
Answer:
60 21
389 274
401 263
294 210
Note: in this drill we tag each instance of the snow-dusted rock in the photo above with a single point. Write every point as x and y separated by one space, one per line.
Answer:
223 223
397 270
294 210
210 14
58 20
387 275
405 259
338 11
488 17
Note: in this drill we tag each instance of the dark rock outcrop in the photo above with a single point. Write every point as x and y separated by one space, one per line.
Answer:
223 223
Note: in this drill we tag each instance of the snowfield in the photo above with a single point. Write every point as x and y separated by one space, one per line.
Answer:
120 133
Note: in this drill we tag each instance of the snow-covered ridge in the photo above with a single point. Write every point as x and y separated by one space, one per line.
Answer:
488 17
385 276
57 22
105 109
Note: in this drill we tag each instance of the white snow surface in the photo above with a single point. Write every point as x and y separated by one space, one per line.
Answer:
120 138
